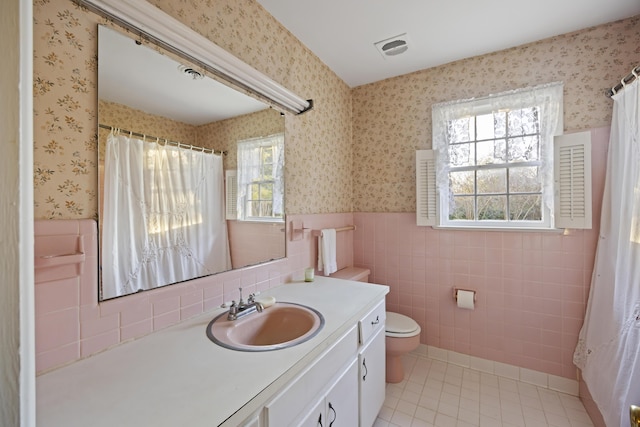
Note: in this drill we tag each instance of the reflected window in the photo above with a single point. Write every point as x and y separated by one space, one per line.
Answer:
260 179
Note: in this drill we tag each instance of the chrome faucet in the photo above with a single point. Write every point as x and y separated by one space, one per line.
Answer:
241 309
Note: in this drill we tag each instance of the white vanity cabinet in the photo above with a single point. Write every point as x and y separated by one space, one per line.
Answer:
324 378
339 407
371 366
371 379
344 387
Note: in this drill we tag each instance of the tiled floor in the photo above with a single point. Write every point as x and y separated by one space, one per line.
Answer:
438 394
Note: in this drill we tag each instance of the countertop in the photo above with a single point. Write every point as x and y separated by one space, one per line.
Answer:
177 376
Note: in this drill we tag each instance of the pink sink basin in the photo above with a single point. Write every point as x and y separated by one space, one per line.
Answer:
282 325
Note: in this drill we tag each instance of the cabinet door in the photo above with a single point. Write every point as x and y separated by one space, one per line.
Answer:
316 417
371 377
341 402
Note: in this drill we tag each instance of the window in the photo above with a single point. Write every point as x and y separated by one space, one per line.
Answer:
493 161
260 179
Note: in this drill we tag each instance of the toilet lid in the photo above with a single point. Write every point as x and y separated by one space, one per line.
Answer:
399 323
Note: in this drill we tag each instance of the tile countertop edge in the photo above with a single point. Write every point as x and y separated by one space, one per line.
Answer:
176 364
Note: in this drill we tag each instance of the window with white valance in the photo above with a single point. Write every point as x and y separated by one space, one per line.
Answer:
260 179
493 164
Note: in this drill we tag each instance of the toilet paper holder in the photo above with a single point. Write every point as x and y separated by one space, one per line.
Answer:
455 293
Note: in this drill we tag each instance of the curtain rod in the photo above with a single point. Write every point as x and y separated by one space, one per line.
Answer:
178 144
625 81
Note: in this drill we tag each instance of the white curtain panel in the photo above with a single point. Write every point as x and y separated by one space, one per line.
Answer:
163 219
608 350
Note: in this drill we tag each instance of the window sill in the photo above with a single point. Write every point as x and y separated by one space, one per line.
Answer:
565 231
260 221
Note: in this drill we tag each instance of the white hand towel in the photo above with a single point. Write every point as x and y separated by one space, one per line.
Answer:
327 251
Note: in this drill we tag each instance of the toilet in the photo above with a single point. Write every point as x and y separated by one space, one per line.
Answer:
402 332
402 336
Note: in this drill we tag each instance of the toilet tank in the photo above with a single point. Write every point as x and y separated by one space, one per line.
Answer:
357 274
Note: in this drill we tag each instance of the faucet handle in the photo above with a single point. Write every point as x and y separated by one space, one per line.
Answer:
251 299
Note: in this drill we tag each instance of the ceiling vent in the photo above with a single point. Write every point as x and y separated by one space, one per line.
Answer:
393 46
188 71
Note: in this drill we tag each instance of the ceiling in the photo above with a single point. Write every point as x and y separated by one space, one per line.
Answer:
342 33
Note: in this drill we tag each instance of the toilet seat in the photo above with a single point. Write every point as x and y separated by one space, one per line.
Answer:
400 326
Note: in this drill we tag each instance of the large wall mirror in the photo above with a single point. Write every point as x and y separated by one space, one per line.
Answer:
162 212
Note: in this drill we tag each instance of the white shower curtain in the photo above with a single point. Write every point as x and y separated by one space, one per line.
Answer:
163 219
608 351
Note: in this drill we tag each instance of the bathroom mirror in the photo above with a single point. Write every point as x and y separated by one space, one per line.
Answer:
154 98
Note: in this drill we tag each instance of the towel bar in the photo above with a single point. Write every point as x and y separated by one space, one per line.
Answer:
317 233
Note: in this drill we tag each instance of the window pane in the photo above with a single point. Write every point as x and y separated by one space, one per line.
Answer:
492 152
524 149
461 130
254 191
500 124
523 122
484 127
492 181
267 172
266 191
524 180
253 208
267 208
525 207
461 207
461 182
461 155
492 208
267 155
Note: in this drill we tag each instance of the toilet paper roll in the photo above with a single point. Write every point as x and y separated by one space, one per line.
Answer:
465 299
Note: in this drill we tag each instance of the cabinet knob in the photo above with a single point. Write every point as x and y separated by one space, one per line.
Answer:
320 420
366 371
375 322
335 414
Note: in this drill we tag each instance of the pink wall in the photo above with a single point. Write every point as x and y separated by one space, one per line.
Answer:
306 249
266 241
532 287
71 324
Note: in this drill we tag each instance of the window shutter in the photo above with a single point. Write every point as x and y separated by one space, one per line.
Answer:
426 187
231 194
572 175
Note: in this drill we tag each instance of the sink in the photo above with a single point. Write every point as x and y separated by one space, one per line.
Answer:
282 325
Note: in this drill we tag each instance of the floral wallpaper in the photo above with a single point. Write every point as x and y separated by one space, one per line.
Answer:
65 107
354 151
318 147
125 117
224 134
392 118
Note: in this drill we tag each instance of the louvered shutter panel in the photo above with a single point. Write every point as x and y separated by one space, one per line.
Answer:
231 194
572 175
426 187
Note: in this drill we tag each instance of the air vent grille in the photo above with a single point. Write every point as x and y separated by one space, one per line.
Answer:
393 46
